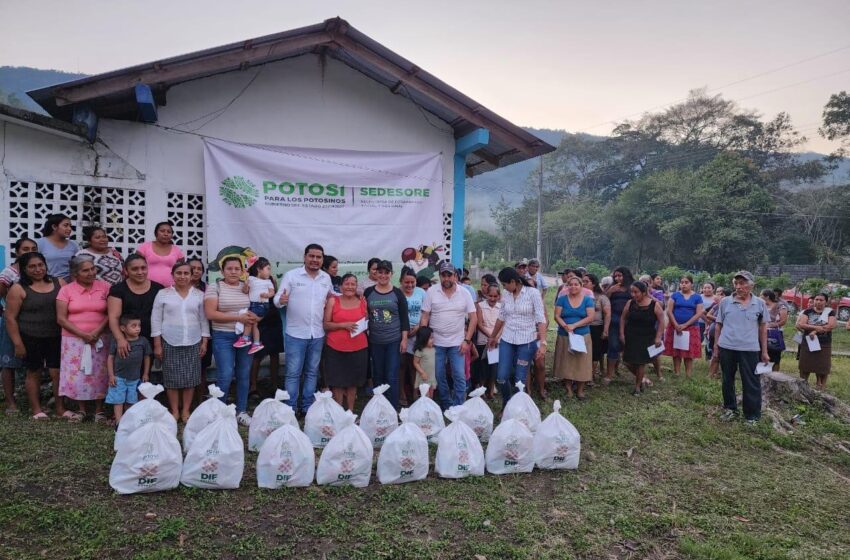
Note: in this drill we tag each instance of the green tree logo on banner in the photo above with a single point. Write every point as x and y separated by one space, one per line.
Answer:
238 192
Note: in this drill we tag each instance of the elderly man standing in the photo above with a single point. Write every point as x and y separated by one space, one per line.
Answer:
534 274
445 309
303 291
741 335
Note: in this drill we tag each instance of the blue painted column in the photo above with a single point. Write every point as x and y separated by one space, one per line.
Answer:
465 145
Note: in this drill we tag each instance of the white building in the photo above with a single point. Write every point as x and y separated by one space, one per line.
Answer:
124 149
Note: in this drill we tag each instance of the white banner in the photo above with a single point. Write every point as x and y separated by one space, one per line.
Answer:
357 205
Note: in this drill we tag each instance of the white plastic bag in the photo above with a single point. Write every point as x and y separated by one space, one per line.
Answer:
217 456
557 443
270 415
147 410
323 419
459 453
148 461
379 418
509 450
522 407
426 414
286 459
203 416
347 458
404 455
478 415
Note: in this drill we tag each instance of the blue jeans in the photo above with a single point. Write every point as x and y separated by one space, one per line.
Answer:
458 365
386 359
302 356
232 363
514 360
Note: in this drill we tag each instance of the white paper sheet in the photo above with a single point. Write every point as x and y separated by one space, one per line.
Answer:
763 367
493 356
577 343
814 343
681 341
362 325
655 350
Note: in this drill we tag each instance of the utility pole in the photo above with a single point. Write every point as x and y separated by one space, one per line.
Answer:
540 214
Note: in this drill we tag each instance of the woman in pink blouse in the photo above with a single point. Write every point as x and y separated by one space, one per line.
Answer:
81 312
161 254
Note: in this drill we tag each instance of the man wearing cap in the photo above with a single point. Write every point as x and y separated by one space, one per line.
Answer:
741 342
445 309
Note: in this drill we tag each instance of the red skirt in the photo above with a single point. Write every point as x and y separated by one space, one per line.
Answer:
694 347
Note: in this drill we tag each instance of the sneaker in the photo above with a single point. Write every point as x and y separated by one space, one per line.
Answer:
255 347
243 419
242 342
751 422
729 415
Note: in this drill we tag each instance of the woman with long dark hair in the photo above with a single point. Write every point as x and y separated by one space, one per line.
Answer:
107 261
641 326
8 361
818 321
600 325
684 309
619 296
31 321
520 331
161 253
56 245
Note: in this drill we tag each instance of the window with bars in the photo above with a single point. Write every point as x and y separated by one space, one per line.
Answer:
186 212
120 211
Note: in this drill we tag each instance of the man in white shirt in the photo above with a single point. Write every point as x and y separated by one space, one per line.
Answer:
303 291
445 309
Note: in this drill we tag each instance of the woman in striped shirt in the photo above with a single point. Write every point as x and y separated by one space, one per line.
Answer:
520 330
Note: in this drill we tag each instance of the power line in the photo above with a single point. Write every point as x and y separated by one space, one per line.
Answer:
718 88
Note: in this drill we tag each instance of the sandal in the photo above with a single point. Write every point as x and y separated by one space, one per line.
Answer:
72 416
38 417
101 418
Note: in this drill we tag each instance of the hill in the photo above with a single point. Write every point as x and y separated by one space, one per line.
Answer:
16 81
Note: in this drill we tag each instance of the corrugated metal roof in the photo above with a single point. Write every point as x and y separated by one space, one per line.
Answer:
111 94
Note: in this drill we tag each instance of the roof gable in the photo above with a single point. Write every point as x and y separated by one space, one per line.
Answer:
112 94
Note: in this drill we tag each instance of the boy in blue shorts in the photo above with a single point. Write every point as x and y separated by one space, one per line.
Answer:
124 373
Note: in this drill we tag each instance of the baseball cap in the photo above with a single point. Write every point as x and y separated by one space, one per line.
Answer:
523 262
446 266
746 275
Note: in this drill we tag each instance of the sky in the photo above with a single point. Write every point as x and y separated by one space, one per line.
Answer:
578 66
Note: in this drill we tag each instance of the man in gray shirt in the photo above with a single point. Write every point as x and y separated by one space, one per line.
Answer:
741 342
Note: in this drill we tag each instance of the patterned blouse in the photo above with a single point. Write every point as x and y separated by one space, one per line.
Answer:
110 266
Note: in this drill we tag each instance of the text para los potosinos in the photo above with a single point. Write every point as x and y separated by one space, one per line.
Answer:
331 190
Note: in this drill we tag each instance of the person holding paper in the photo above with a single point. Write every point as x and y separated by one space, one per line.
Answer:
684 310
520 331
641 326
484 374
574 312
618 294
346 355
741 340
817 323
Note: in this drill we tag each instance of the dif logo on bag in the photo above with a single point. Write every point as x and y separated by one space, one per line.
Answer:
328 430
408 461
150 467
209 469
286 465
347 464
562 448
512 453
462 456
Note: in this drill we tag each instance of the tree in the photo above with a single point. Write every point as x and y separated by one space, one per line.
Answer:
480 241
836 121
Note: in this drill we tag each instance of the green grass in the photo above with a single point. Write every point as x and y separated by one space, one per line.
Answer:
660 477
